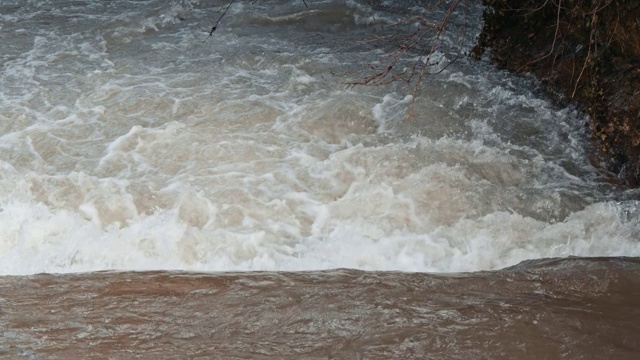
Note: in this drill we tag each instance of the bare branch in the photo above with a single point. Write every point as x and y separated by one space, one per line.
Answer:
215 25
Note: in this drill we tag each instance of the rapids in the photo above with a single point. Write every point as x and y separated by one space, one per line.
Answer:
126 142
168 195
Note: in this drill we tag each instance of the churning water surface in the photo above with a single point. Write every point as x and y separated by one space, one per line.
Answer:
128 143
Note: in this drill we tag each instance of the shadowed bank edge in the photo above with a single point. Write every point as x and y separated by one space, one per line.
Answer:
588 53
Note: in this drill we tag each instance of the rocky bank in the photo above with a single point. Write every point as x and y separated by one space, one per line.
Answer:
587 53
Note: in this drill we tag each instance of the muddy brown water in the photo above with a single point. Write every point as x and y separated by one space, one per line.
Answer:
574 308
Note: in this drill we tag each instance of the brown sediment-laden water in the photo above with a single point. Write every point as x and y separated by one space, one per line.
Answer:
572 308
165 197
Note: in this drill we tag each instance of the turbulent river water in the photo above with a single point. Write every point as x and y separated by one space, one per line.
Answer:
220 184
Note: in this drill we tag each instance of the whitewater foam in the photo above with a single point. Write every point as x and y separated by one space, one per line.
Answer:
127 143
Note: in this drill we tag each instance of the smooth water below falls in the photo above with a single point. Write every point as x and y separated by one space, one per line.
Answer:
128 143
571 308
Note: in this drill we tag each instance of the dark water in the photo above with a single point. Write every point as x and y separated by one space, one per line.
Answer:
543 309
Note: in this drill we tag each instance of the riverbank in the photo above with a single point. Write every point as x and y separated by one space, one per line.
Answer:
586 54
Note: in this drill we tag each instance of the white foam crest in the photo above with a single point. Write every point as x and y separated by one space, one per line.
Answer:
36 239
391 110
493 241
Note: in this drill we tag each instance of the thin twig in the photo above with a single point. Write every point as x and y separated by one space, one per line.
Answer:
215 25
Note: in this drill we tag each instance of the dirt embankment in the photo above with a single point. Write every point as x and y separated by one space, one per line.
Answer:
588 53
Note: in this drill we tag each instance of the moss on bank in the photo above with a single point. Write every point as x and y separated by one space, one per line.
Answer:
588 52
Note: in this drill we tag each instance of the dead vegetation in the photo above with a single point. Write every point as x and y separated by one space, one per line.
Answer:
588 52
415 48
